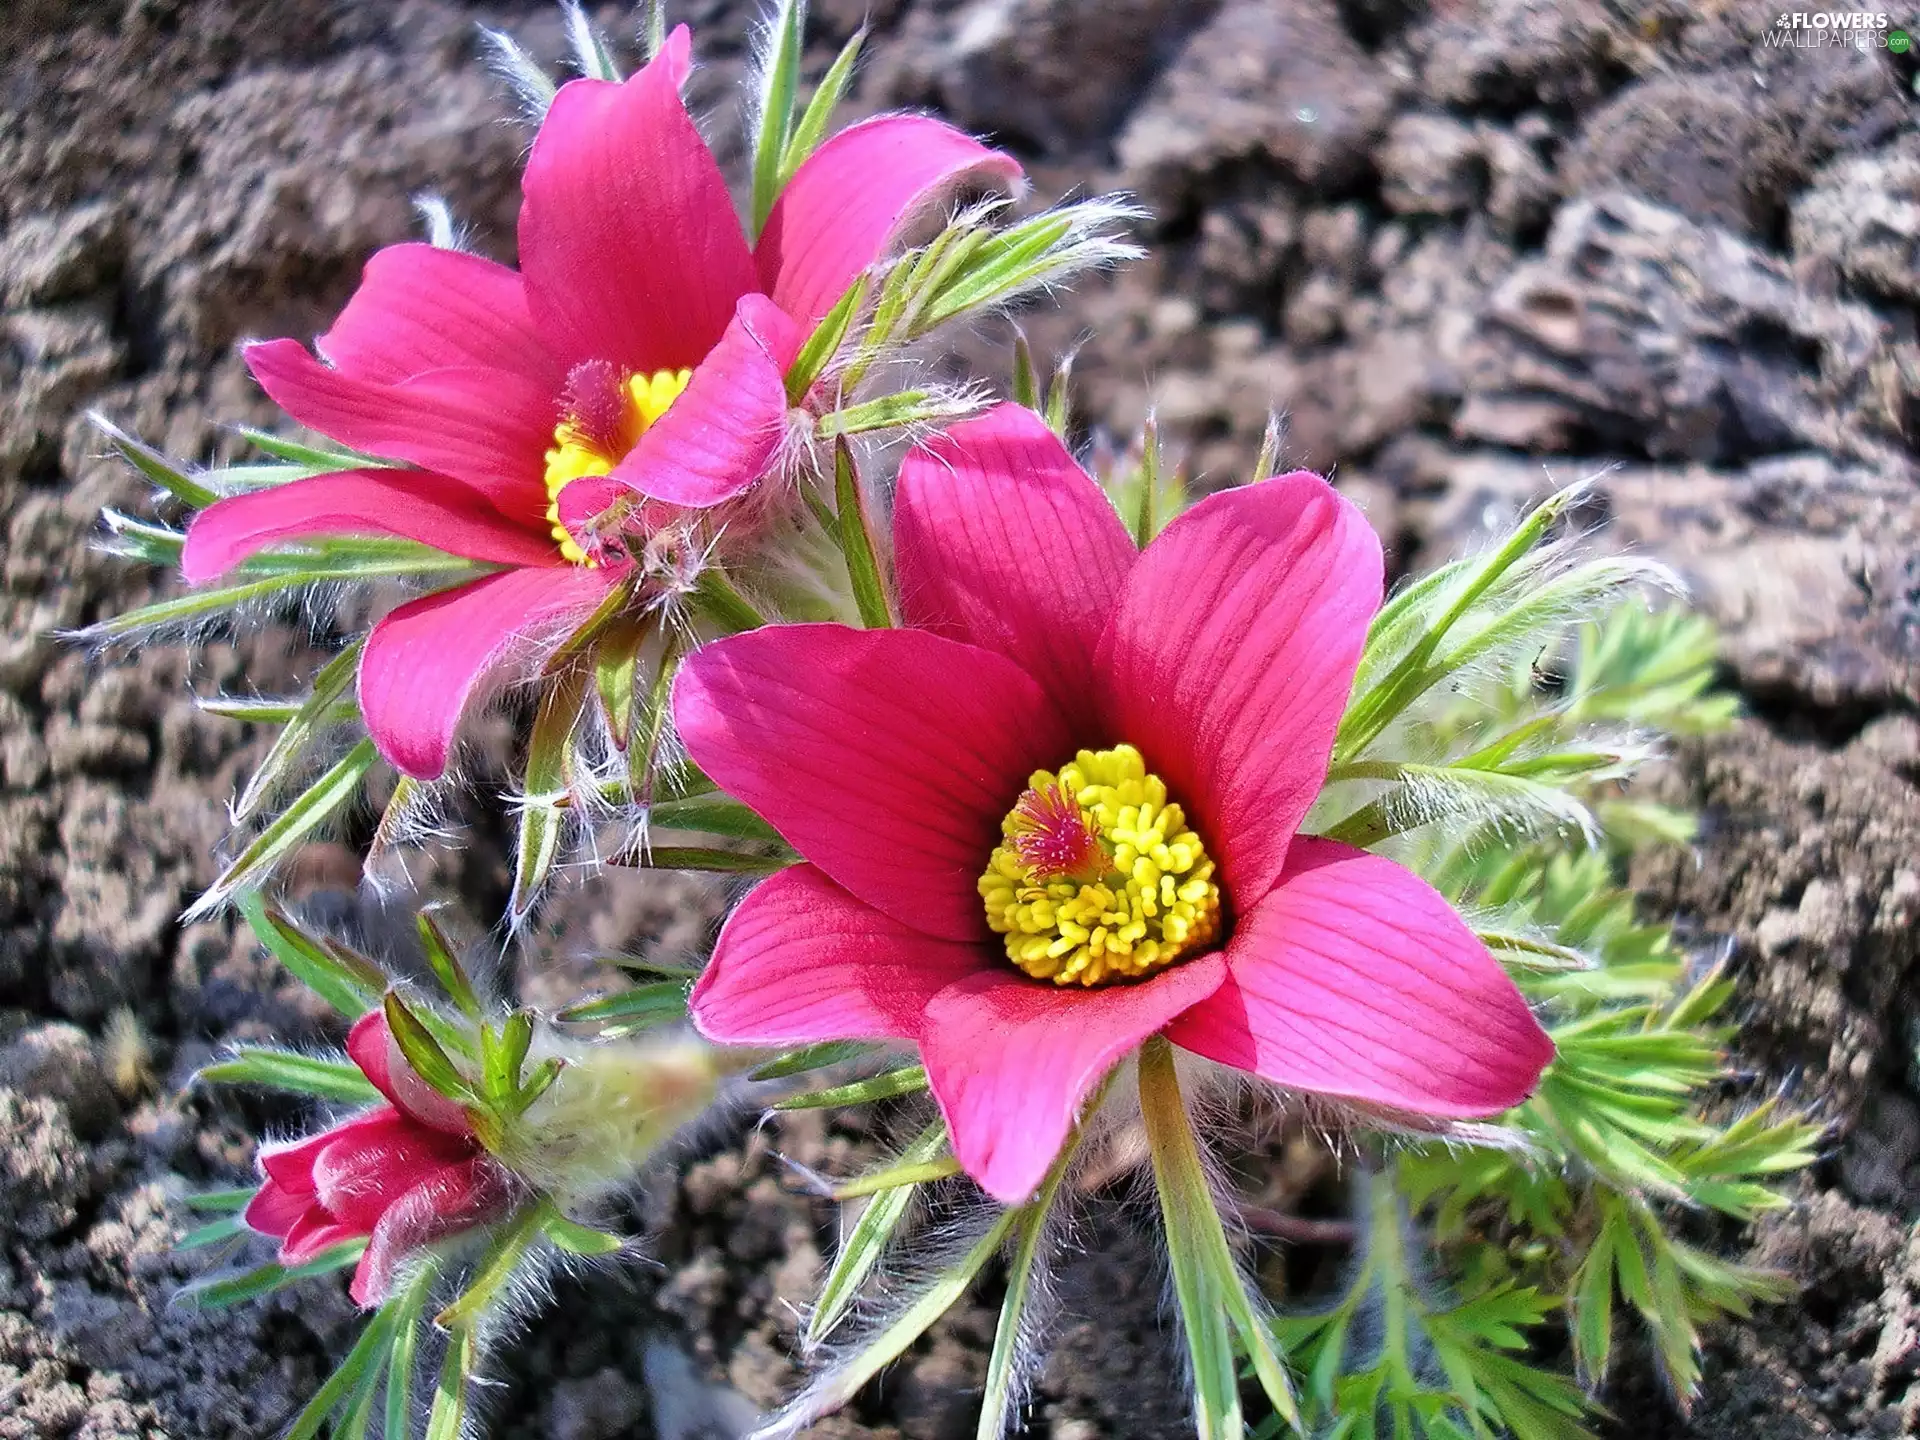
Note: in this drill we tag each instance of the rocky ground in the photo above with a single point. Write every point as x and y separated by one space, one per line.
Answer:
1469 247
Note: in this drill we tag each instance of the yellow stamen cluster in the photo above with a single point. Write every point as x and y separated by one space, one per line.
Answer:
579 451
1146 899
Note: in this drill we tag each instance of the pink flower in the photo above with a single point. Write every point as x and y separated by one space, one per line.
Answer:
1080 737
401 1176
642 347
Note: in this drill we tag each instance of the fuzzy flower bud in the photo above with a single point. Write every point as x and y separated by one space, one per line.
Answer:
400 1176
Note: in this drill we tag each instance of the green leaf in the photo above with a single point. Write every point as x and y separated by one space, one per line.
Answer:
291 829
906 1080
315 716
777 91
891 1177
813 1057
220 1202
856 541
156 467
1025 388
214 1232
811 128
726 862
891 1341
901 410
351 989
589 46
446 966
578 1239
361 1368
716 599
712 815
408 1310
334 1080
660 1003
200 604
1001 1394
1214 1305
422 1051
137 540
1059 408
222 1291
496 1269
860 1252
448 1419
310 457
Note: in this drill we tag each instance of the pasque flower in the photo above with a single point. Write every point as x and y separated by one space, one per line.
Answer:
641 347
400 1176
1060 814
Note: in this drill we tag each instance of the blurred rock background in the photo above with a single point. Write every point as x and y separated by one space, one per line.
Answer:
1471 248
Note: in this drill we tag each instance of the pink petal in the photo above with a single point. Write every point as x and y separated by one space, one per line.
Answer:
801 960
629 243
411 504
854 195
723 432
886 757
1232 656
490 428
371 1046
426 660
1355 978
289 1167
366 1168
315 1233
275 1208
1011 1059
1002 541
420 308
447 1202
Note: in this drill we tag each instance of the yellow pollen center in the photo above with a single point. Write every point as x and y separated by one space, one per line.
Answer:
584 445
1098 877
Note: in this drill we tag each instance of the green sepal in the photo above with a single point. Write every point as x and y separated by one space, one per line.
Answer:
616 669
423 1052
563 698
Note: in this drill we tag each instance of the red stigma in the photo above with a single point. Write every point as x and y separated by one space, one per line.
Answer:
596 403
1052 839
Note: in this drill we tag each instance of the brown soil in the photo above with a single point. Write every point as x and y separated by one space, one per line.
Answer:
1463 246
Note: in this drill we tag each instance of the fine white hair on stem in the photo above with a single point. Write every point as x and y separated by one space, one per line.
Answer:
527 82
443 232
